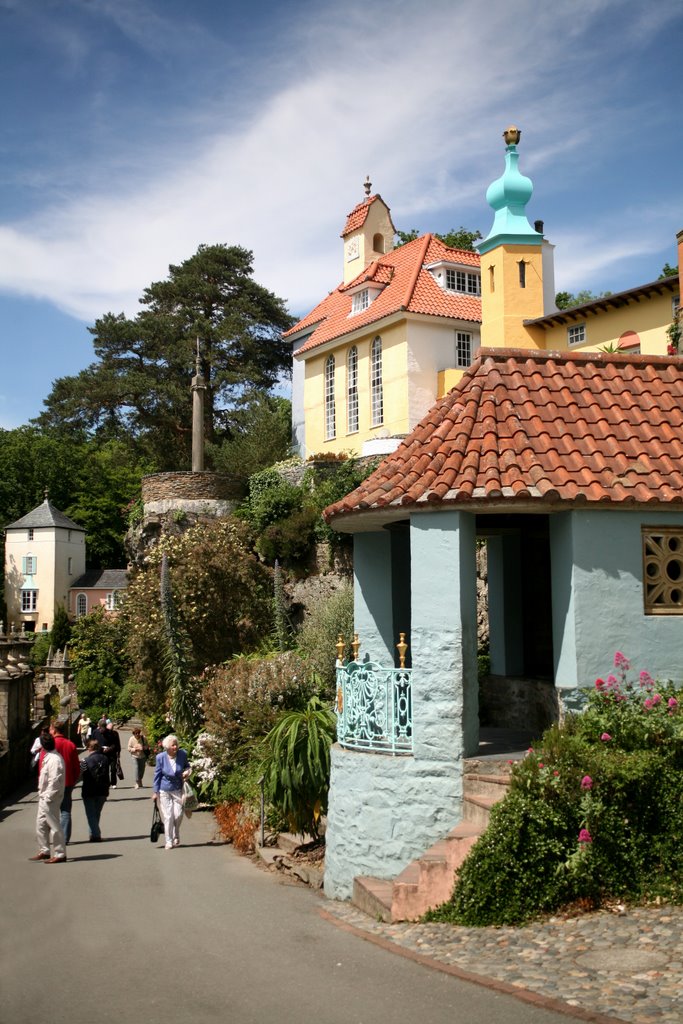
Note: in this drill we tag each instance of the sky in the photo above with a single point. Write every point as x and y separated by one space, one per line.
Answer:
132 131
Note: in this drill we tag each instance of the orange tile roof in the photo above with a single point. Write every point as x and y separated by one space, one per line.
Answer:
535 428
358 214
408 287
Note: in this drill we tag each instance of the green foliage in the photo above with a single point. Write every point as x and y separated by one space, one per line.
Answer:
668 271
596 812
271 499
297 767
317 638
97 693
459 238
100 665
567 300
222 601
260 435
290 540
139 384
40 649
176 660
60 634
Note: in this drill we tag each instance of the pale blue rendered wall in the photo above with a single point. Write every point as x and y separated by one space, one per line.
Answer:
597 565
372 604
385 811
503 561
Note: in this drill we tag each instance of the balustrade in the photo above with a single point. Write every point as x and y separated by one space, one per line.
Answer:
374 703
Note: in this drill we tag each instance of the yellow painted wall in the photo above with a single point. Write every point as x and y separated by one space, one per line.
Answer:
395 387
649 318
505 304
377 222
446 380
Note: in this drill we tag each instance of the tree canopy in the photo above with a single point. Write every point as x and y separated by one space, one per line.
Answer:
139 385
567 300
456 238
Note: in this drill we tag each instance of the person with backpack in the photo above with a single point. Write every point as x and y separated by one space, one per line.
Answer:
95 788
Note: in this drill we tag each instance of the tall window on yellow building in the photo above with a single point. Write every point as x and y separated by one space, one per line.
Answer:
330 424
376 390
352 390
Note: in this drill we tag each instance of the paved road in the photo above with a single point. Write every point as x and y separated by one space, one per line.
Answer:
127 932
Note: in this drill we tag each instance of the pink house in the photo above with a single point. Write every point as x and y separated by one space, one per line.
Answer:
97 588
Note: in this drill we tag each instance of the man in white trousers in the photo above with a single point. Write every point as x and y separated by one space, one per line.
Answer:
50 795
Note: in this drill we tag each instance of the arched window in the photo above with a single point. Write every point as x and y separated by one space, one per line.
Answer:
352 390
330 423
376 391
81 605
378 243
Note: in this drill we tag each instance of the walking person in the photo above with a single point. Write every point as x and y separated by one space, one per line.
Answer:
170 771
95 787
84 729
51 846
69 752
116 772
138 748
107 740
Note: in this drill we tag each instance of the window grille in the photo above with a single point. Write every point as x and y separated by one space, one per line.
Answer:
462 281
360 301
576 334
376 390
330 423
463 349
352 391
663 571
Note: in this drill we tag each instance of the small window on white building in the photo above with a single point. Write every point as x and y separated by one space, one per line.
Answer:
463 281
352 391
30 534
576 334
360 301
376 386
330 419
29 600
30 565
463 349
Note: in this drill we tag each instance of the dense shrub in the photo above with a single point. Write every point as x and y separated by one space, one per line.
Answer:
596 812
317 638
289 540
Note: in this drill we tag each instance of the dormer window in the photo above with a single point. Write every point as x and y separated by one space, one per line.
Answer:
360 301
463 281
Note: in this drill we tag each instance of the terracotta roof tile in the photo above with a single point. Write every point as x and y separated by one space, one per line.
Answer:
356 219
407 285
574 428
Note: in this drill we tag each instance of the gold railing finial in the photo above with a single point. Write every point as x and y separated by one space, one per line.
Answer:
402 648
355 646
340 645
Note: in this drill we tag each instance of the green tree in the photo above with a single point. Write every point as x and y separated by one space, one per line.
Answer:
567 300
140 383
456 238
260 435
668 271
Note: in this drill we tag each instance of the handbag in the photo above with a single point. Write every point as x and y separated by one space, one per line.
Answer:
119 769
190 801
157 824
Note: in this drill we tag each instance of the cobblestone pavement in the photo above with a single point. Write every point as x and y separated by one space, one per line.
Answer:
627 966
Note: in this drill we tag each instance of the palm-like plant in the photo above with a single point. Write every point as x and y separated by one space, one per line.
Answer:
297 769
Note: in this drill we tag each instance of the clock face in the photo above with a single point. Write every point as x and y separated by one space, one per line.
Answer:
351 249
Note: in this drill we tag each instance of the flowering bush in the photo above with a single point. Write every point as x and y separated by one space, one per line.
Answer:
594 811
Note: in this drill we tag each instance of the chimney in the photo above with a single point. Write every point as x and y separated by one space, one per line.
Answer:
538 226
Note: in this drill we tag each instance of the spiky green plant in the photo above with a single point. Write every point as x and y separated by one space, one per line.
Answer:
297 767
182 688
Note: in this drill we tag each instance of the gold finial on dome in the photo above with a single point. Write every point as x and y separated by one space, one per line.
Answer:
367 185
512 135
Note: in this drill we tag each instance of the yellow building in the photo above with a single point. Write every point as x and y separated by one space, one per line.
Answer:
44 555
518 308
374 355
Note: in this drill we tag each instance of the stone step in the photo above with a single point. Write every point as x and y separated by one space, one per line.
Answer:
428 881
477 809
373 896
485 785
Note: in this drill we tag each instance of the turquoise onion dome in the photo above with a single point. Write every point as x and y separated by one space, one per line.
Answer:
508 197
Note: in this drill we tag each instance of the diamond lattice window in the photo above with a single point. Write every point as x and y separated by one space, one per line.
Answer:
663 571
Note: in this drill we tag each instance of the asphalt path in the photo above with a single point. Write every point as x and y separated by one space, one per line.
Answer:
127 932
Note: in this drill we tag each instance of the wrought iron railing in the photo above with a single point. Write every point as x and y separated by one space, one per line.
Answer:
374 708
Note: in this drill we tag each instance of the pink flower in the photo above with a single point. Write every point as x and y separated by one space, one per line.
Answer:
586 782
656 699
541 765
599 683
556 773
621 661
612 680
646 681
672 702
647 703
585 836
605 737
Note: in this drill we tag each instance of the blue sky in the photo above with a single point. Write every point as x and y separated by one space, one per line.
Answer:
134 130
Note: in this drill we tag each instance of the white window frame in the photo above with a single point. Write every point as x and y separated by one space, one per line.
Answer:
463 281
463 349
30 533
352 391
360 300
112 600
576 334
29 600
330 418
81 600
31 563
376 385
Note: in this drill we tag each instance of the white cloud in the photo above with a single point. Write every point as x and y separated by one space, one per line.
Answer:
417 97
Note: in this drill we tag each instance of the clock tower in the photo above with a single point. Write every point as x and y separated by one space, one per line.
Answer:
368 233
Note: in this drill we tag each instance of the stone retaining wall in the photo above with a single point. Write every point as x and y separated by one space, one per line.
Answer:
195 487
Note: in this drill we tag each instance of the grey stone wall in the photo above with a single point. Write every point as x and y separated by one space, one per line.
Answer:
159 487
508 702
383 812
